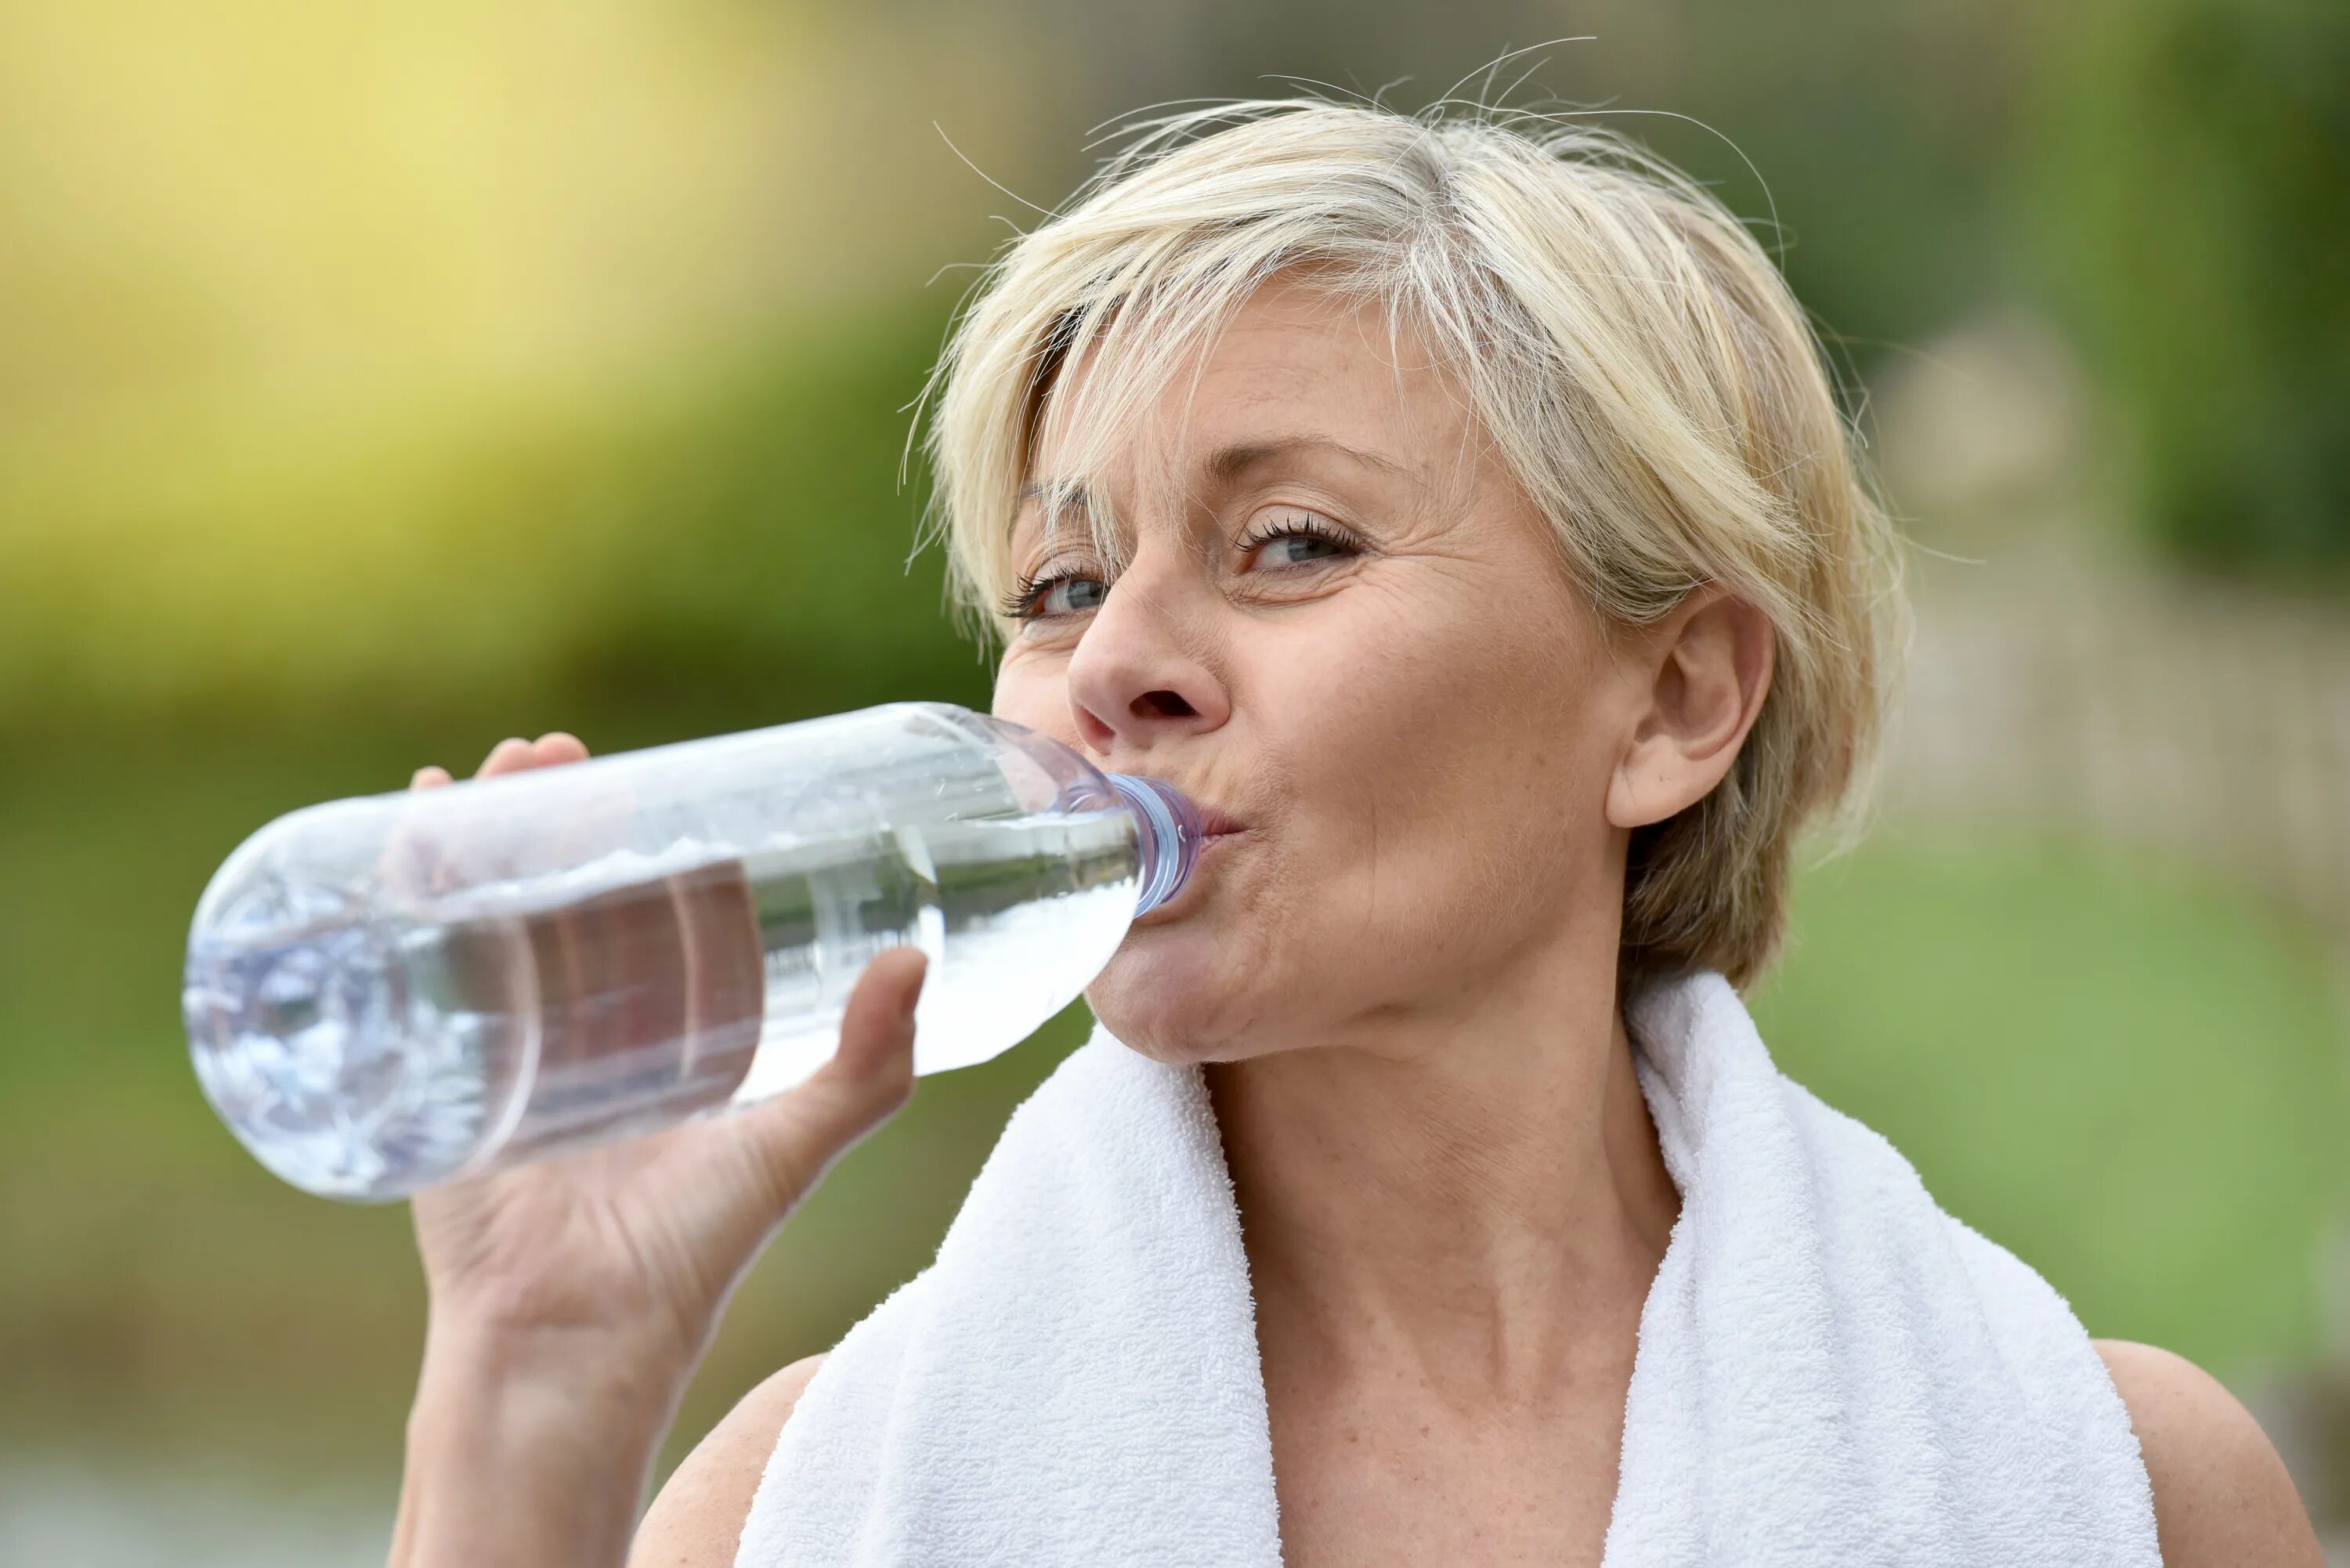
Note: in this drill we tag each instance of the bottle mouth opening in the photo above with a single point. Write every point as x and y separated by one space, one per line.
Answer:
1169 834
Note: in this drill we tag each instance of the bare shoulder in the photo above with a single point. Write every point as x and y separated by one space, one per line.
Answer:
2221 1496
697 1519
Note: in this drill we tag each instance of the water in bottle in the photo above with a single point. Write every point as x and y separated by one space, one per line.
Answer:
390 991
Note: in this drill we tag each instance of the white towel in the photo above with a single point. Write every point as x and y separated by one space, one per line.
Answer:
1831 1370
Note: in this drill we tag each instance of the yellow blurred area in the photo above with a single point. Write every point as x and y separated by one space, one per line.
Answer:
255 201
275 280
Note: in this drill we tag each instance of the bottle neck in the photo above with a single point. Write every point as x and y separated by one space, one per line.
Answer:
1167 830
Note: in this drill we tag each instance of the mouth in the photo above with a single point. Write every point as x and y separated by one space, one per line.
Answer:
1217 828
1216 831
1211 843
1214 824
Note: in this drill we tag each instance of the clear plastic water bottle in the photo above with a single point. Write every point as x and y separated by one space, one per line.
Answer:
389 991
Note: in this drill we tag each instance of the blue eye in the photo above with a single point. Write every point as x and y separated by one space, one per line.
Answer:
1070 595
1047 597
1294 549
1287 537
1295 537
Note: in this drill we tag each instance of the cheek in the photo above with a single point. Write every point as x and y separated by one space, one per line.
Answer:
1430 703
1450 777
1033 689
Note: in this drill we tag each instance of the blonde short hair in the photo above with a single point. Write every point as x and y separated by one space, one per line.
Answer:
1631 353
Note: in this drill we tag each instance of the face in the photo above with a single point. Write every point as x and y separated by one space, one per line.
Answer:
1339 627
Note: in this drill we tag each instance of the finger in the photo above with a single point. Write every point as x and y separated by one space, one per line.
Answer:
405 863
795 1138
877 1028
514 754
412 862
507 756
560 746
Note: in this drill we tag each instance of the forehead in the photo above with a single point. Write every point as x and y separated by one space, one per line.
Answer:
1294 363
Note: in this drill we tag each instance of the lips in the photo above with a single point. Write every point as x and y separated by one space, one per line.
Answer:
1214 823
1217 827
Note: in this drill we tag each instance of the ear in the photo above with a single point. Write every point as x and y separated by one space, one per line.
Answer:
1699 681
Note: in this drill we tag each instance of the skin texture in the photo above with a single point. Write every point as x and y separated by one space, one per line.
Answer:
2220 1493
1399 967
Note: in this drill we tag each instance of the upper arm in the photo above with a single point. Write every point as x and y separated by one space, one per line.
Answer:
697 1519
2221 1496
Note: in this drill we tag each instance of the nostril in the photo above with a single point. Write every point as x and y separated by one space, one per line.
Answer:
1163 705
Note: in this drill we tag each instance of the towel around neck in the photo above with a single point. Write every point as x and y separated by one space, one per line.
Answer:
1831 1371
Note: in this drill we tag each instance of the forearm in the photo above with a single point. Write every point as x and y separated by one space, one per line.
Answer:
529 1453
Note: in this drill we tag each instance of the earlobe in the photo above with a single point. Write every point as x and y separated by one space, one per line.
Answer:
1629 795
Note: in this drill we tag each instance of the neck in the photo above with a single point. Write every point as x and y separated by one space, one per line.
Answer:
1470 1193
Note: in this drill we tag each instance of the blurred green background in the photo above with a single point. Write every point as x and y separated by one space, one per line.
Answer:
378 382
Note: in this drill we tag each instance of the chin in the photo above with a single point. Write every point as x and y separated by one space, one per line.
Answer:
1164 993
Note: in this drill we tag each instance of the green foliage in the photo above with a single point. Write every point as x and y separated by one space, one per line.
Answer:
2187 169
735 523
1873 133
768 542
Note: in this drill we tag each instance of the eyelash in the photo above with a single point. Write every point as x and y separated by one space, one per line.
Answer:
1019 604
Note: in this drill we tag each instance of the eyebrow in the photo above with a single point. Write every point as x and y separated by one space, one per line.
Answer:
1226 465
1234 462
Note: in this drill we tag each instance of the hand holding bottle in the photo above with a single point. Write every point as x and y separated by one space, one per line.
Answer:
572 1297
648 1233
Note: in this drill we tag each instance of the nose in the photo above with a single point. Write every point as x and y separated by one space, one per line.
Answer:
1137 677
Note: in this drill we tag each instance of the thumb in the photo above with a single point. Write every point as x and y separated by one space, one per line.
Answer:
794 1140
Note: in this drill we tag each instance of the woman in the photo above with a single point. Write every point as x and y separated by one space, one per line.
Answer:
1460 510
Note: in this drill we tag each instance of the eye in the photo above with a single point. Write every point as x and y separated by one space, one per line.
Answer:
1049 596
1069 595
1282 538
1293 537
